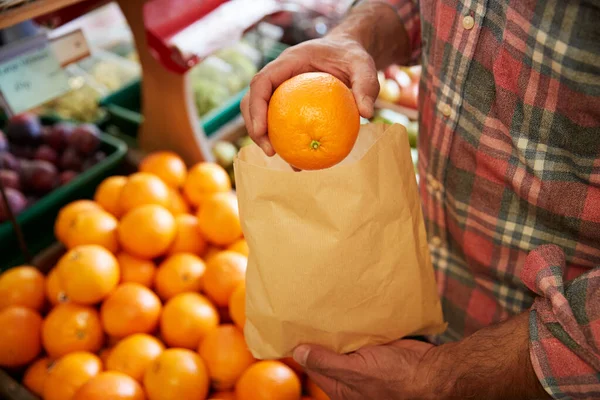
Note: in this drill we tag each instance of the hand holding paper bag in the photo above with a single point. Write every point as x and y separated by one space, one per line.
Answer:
338 257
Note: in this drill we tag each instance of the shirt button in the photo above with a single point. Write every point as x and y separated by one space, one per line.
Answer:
435 185
436 241
468 22
446 110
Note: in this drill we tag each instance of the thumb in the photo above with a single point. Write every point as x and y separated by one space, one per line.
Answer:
321 360
365 87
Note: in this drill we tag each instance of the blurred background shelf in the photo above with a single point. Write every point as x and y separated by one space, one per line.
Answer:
25 10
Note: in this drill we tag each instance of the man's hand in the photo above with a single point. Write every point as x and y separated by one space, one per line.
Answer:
398 370
492 364
371 37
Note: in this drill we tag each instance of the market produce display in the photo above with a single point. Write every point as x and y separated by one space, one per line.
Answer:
400 85
36 159
148 300
313 121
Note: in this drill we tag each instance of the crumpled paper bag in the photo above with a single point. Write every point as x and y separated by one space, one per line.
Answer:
338 257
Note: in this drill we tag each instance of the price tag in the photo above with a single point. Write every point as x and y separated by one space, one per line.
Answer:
30 75
70 47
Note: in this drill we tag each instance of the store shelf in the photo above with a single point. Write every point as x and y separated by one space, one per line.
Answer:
31 10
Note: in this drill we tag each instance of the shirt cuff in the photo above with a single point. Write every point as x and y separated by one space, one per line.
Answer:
564 326
408 12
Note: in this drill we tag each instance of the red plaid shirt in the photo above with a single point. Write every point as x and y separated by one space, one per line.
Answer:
509 159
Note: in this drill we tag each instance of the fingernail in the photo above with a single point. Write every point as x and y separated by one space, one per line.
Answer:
267 148
301 354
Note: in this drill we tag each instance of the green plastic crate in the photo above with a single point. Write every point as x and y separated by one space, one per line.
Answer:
124 106
37 221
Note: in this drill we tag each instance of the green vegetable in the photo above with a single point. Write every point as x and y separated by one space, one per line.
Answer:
224 153
209 95
412 128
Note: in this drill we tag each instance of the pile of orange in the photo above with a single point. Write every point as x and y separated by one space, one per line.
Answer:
148 302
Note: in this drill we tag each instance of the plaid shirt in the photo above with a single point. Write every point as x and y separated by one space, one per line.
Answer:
509 159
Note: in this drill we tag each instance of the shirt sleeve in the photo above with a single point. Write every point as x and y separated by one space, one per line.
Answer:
564 326
408 12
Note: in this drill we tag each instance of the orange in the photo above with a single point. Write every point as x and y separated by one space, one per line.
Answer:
54 289
237 305
290 362
167 165
177 204
188 238
134 354
68 213
315 391
88 273
110 385
137 270
204 179
108 193
313 121
240 246
222 396
22 286
219 219
70 373
224 272
143 188
104 353
268 380
147 232
71 327
211 251
36 374
175 375
186 319
226 356
93 227
131 308
181 272
20 336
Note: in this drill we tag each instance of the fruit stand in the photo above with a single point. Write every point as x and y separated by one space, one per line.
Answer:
122 262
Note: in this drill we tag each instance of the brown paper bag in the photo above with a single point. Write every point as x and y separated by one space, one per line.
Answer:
338 257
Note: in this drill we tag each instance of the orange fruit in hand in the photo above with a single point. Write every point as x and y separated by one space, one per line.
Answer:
137 270
290 362
93 227
68 213
19 336
110 385
167 165
108 193
181 272
175 375
177 204
205 179
268 380
219 219
224 272
131 308
54 289
141 189
237 306
222 396
313 121
22 286
71 327
147 232
186 319
188 238
315 391
226 356
88 273
70 373
36 374
240 246
134 354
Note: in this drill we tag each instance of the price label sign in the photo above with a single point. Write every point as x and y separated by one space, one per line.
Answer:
30 75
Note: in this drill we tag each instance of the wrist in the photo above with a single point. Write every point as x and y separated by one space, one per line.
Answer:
376 27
